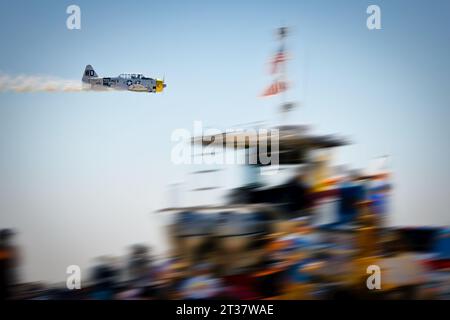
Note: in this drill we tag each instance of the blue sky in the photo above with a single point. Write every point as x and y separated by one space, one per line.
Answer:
80 172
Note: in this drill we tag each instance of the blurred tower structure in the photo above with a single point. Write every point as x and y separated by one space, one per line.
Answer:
234 230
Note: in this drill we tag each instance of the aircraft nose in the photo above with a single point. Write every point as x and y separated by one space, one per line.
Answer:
160 85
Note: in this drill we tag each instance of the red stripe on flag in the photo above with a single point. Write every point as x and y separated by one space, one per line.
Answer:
278 59
275 88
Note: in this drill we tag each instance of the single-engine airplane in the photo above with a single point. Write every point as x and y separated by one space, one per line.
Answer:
131 82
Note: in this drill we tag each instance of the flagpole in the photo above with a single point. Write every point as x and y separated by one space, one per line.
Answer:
279 73
282 33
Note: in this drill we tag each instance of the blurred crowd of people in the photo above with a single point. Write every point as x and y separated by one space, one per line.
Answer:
290 257
300 264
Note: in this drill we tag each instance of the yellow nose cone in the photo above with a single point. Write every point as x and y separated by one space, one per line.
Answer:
159 85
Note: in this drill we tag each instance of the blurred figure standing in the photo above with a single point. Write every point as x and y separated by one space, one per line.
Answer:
298 194
142 273
139 265
351 193
8 264
105 279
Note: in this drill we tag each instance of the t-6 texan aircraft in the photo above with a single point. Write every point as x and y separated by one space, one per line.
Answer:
130 82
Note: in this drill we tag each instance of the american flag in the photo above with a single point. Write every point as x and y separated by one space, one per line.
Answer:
275 88
277 60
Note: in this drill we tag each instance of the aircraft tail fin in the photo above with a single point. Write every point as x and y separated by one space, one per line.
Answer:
89 73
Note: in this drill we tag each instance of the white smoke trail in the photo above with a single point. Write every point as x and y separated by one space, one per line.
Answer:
31 83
